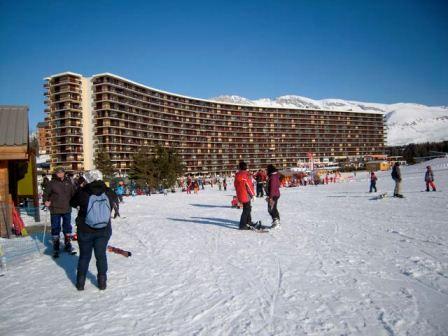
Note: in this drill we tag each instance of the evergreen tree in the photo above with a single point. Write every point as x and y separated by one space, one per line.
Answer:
158 167
167 166
142 168
103 164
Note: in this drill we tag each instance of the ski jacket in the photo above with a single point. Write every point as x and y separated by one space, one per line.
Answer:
243 186
81 200
119 190
396 174
373 178
429 176
59 192
273 186
260 177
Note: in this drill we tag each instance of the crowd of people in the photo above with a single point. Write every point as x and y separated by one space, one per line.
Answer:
396 177
95 201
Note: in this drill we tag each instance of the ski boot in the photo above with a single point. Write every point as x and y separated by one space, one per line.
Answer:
80 281
102 278
55 246
275 223
68 245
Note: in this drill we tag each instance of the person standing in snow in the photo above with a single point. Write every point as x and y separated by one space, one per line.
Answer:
259 177
396 176
273 194
57 197
244 192
95 202
429 179
119 190
373 180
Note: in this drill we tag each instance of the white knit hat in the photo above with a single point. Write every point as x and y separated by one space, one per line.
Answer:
93 175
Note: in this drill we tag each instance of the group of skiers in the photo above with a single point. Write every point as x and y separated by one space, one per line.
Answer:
95 202
245 193
396 176
199 183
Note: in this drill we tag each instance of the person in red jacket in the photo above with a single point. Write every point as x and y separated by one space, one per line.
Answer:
273 194
244 192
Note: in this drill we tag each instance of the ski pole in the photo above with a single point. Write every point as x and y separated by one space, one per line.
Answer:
45 229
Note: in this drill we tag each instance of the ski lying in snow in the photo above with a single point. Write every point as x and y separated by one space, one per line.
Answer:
259 227
119 251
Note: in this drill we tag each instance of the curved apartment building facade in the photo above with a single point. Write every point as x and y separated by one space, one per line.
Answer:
109 113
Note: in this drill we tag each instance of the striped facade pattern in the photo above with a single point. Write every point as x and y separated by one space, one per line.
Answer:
210 136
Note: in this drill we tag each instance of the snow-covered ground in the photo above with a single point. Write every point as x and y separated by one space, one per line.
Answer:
342 264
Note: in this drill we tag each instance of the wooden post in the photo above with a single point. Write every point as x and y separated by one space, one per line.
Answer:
4 191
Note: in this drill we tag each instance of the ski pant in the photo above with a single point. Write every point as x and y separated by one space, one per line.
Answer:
272 208
246 217
120 198
430 184
56 224
259 189
96 242
397 189
372 186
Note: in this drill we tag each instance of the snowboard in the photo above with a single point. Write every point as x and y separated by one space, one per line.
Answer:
119 251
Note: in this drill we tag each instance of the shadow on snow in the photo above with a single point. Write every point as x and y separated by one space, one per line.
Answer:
209 221
67 262
210 206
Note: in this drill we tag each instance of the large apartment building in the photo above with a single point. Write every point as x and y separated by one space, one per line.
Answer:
43 137
109 113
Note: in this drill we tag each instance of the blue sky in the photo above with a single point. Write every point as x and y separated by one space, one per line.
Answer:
377 51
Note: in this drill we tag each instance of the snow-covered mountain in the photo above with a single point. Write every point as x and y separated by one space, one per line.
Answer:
406 122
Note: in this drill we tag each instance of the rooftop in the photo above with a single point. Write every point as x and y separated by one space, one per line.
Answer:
13 125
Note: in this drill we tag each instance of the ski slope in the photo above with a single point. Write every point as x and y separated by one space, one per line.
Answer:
342 264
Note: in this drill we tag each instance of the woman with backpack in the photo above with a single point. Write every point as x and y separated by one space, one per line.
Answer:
95 202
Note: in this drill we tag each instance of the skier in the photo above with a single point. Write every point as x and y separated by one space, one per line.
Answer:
189 184
373 180
244 193
224 183
273 194
429 179
57 197
259 178
195 186
396 176
119 190
95 202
